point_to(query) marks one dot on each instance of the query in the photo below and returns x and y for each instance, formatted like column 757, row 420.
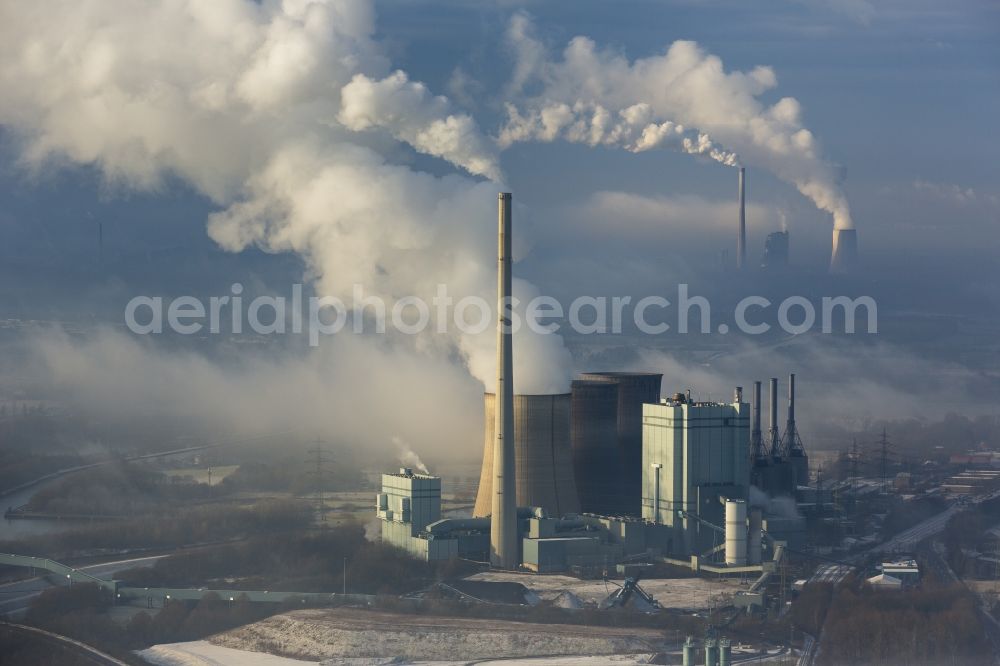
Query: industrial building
column 409, row 513
column 605, row 474
column 694, row 453
column 844, row 250
column 779, row 463
column 775, row 251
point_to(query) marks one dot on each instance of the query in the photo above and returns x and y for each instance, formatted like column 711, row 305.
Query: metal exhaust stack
column 790, row 433
column 503, row 524
column 773, row 440
column 756, row 441
column 741, row 242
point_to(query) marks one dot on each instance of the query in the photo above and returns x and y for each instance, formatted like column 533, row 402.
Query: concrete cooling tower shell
column 844, row 256
column 594, row 439
column 542, row 458
column 634, row 390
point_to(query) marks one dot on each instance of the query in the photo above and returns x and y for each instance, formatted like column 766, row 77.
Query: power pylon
column 320, row 459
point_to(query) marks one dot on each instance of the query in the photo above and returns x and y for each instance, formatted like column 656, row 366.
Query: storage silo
column 634, row 390
column 594, row 440
column 543, row 462
column 736, row 533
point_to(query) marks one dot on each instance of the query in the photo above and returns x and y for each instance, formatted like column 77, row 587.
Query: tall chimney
column 741, row 241
column 790, row 425
column 503, row 524
column 756, row 441
column 773, row 441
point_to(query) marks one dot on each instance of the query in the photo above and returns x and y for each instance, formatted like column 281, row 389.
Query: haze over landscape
column 347, row 149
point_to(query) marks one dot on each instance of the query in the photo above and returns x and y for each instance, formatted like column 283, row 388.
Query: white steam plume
column 258, row 106
column 407, row 456
column 632, row 128
column 685, row 86
column 411, row 114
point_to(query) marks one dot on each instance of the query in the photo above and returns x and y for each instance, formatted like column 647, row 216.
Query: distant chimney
column 756, row 441
column 773, row 439
column 741, row 240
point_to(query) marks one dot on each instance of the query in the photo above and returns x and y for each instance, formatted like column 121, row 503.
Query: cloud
column 266, row 109
column 651, row 217
column 411, row 114
column 683, row 86
column 353, row 391
column 632, row 129
column 956, row 195
column 841, row 382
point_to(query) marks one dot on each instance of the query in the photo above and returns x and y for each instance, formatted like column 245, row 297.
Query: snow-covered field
column 203, row 653
column 338, row 634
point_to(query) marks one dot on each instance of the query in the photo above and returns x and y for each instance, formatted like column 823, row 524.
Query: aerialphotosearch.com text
column 318, row 316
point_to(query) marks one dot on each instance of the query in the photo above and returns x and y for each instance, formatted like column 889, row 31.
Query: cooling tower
column 634, row 390
column 594, row 439
column 501, row 456
column 845, row 250
column 741, row 239
column 543, row 462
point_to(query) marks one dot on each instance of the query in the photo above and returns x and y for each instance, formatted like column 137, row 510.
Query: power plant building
column 604, row 474
column 775, row 251
column 695, row 455
column 408, row 503
column 543, row 462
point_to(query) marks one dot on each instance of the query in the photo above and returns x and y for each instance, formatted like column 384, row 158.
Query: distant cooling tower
column 634, row 390
column 594, row 438
column 845, row 250
column 543, row 464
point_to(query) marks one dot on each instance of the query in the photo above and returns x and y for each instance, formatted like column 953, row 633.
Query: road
column 808, row 655
column 907, row 540
column 17, row 596
column 82, row 650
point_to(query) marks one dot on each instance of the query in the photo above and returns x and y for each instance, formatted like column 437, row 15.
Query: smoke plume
column 591, row 91
column 407, row 457
column 411, row 114
column 268, row 109
column 632, row 128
